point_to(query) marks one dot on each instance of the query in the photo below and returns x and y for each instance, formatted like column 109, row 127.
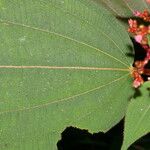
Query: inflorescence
column 141, row 35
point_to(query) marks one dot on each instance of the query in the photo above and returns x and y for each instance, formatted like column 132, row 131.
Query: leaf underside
column 124, row 8
column 62, row 63
column 137, row 122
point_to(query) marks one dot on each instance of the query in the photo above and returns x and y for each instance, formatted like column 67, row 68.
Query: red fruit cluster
column 143, row 15
column 148, row 1
column 141, row 33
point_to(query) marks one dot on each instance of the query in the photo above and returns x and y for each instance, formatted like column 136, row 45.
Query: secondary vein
column 63, row 36
column 64, row 99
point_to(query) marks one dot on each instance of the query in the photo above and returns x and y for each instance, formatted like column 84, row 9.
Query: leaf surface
column 124, row 8
column 62, row 63
column 137, row 120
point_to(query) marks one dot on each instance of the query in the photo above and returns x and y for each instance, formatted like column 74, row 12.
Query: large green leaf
column 137, row 122
column 124, row 8
column 62, row 63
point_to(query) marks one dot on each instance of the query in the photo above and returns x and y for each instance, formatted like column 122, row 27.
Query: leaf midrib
column 64, row 67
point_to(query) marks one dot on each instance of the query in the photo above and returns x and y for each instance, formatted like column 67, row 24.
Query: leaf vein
column 62, row 36
column 109, row 38
column 63, row 67
column 66, row 99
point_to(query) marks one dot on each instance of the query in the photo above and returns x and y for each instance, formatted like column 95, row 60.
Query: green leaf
column 148, row 36
column 62, row 63
column 137, row 121
column 124, row 8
